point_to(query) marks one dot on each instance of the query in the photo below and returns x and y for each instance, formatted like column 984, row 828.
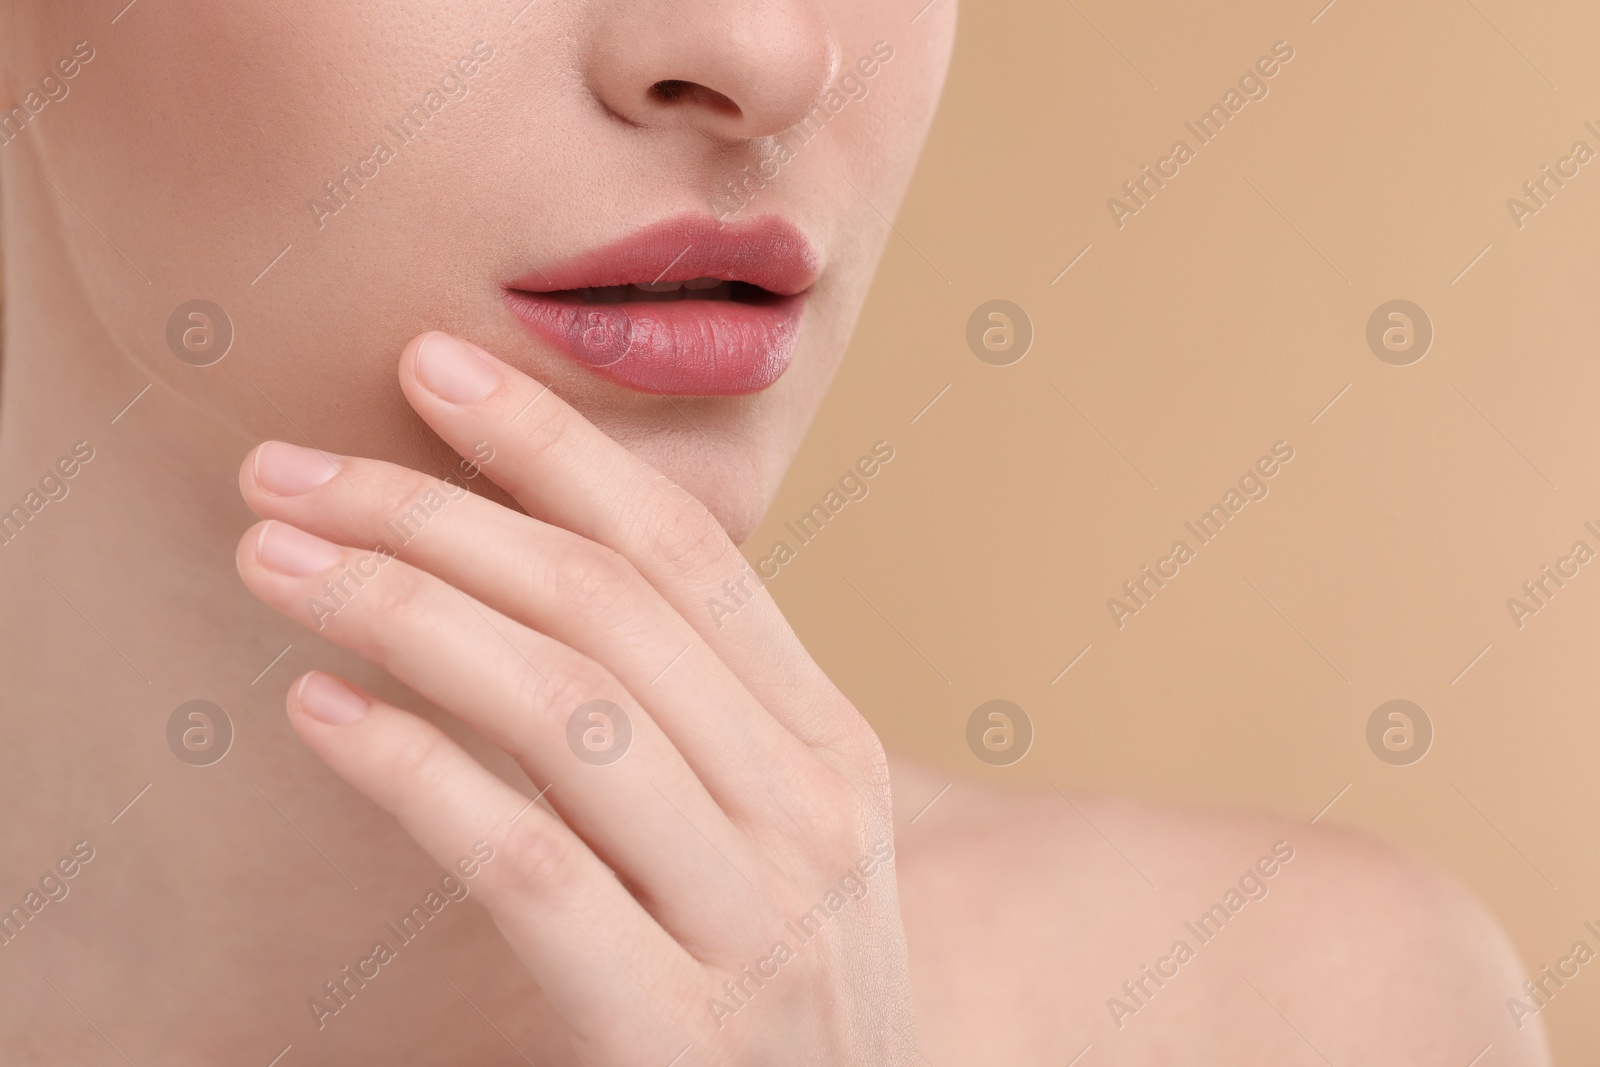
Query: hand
column 724, row 892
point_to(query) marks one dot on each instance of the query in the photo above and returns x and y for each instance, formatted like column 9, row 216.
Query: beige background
column 1225, row 316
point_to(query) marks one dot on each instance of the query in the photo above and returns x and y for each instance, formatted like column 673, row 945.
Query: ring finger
column 646, row 815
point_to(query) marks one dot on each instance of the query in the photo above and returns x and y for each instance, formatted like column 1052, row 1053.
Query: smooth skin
column 751, row 784
column 223, row 898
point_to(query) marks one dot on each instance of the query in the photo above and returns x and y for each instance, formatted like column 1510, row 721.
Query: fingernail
column 454, row 370
column 294, row 552
column 289, row 470
column 327, row 699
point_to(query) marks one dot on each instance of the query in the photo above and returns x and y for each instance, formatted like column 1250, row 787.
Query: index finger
column 560, row 468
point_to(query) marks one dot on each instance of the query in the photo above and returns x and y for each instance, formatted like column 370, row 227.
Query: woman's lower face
column 334, row 181
column 667, row 212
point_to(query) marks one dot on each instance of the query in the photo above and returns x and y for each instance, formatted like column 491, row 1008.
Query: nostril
column 676, row 91
column 669, row 90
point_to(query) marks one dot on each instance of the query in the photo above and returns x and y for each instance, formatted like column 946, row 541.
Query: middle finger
column 558, row 583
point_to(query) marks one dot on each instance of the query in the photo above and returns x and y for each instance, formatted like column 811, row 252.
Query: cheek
column 888, row 126
column 234, row 123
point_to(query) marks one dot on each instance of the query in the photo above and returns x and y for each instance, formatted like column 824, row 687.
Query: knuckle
column 374, row 602
column 398, row 595
column 420, row 760
column 562, row 687
column 867, row 756
column 592, row 579
column 547, row 434
column 540, row 860
column 683, row 534
column 407, row 504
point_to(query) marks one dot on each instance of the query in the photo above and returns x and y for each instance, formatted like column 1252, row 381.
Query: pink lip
column 689, row 347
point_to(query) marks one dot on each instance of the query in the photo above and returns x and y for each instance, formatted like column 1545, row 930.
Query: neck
column 121, row 603
column 117, row 520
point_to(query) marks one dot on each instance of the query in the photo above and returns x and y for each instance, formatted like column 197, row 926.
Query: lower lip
column 678, row 347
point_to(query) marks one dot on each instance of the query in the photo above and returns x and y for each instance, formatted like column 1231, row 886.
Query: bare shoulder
column 1041, row 922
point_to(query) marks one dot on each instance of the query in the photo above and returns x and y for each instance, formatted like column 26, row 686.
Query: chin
column 738, row 513
column 735, row 490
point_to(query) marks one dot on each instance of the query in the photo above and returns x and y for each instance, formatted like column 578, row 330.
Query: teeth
column 647, row 292
column 695, row 284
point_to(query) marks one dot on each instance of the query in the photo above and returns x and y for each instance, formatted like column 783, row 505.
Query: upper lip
column 766, row 251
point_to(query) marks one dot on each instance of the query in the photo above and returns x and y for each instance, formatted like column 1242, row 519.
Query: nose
column 732, row 69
